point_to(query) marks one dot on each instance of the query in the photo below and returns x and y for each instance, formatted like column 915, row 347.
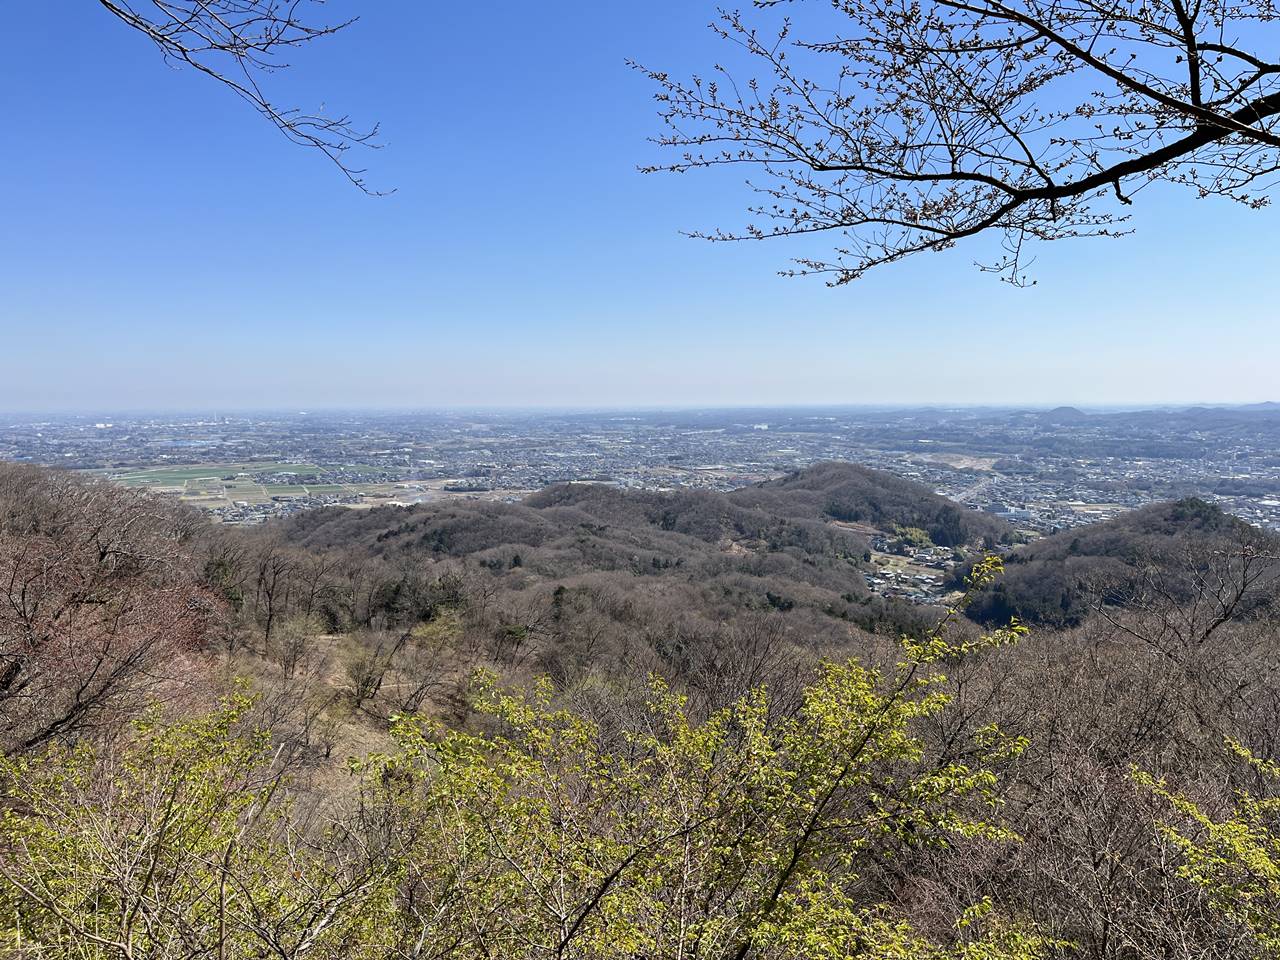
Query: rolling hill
column 660, row 557
column 856, row 494
column 1165, row 548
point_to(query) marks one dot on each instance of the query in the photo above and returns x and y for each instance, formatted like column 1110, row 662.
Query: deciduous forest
column 614, row 724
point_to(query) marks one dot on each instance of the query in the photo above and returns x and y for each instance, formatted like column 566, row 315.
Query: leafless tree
column 239, row 44
column 274, row 585
column 901, row 127
column 99, row 604
column 292, row 639
column 1180, row 603
column 368, row 664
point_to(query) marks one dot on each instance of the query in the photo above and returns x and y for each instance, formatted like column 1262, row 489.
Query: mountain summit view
column 617, row 482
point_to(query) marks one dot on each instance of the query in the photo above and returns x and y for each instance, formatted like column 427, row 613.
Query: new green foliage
column 179, row 844
column 752, row 832
column 1233, row 859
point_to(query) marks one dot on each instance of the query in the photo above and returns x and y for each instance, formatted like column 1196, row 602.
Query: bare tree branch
column 240, row 42
column 904, row 127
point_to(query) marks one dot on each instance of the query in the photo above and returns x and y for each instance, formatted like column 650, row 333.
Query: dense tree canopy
column 747, row 835
column 1165, row 550
column 556, row 759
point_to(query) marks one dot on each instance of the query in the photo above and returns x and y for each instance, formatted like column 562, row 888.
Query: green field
column 203, row 485
column 179, row 476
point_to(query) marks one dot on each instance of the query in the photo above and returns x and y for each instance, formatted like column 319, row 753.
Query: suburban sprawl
column 1042, row 470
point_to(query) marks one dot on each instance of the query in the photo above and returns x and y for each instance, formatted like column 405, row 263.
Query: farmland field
column 215, row 486
column 180, row 476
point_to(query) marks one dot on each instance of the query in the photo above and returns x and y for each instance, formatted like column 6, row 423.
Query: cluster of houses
column 246, row 514
column 907, row 583
column 904, row 585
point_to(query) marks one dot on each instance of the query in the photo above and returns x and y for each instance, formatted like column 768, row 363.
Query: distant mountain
column 1220, row 414
column 1058, row 579
column 1063, row 415
column 852, row 493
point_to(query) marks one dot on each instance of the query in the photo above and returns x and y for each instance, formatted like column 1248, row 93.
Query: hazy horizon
column 551, row 409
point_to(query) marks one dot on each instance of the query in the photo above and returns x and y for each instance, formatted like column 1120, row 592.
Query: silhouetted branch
column 910, row 127
column 237, row 43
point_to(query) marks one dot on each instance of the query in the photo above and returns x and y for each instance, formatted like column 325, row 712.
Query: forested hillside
column 607, row 724
column 848, row 492
column 1163, row 552
column 703, row 561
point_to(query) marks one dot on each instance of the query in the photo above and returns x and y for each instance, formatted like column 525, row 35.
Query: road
column 970, row 492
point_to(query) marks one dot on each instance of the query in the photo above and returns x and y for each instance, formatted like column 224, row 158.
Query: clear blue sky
column 162, row 247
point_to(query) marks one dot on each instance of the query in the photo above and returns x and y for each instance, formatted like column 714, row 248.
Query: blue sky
column 162, row 247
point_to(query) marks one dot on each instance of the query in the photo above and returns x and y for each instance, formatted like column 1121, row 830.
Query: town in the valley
column 1042, row 469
